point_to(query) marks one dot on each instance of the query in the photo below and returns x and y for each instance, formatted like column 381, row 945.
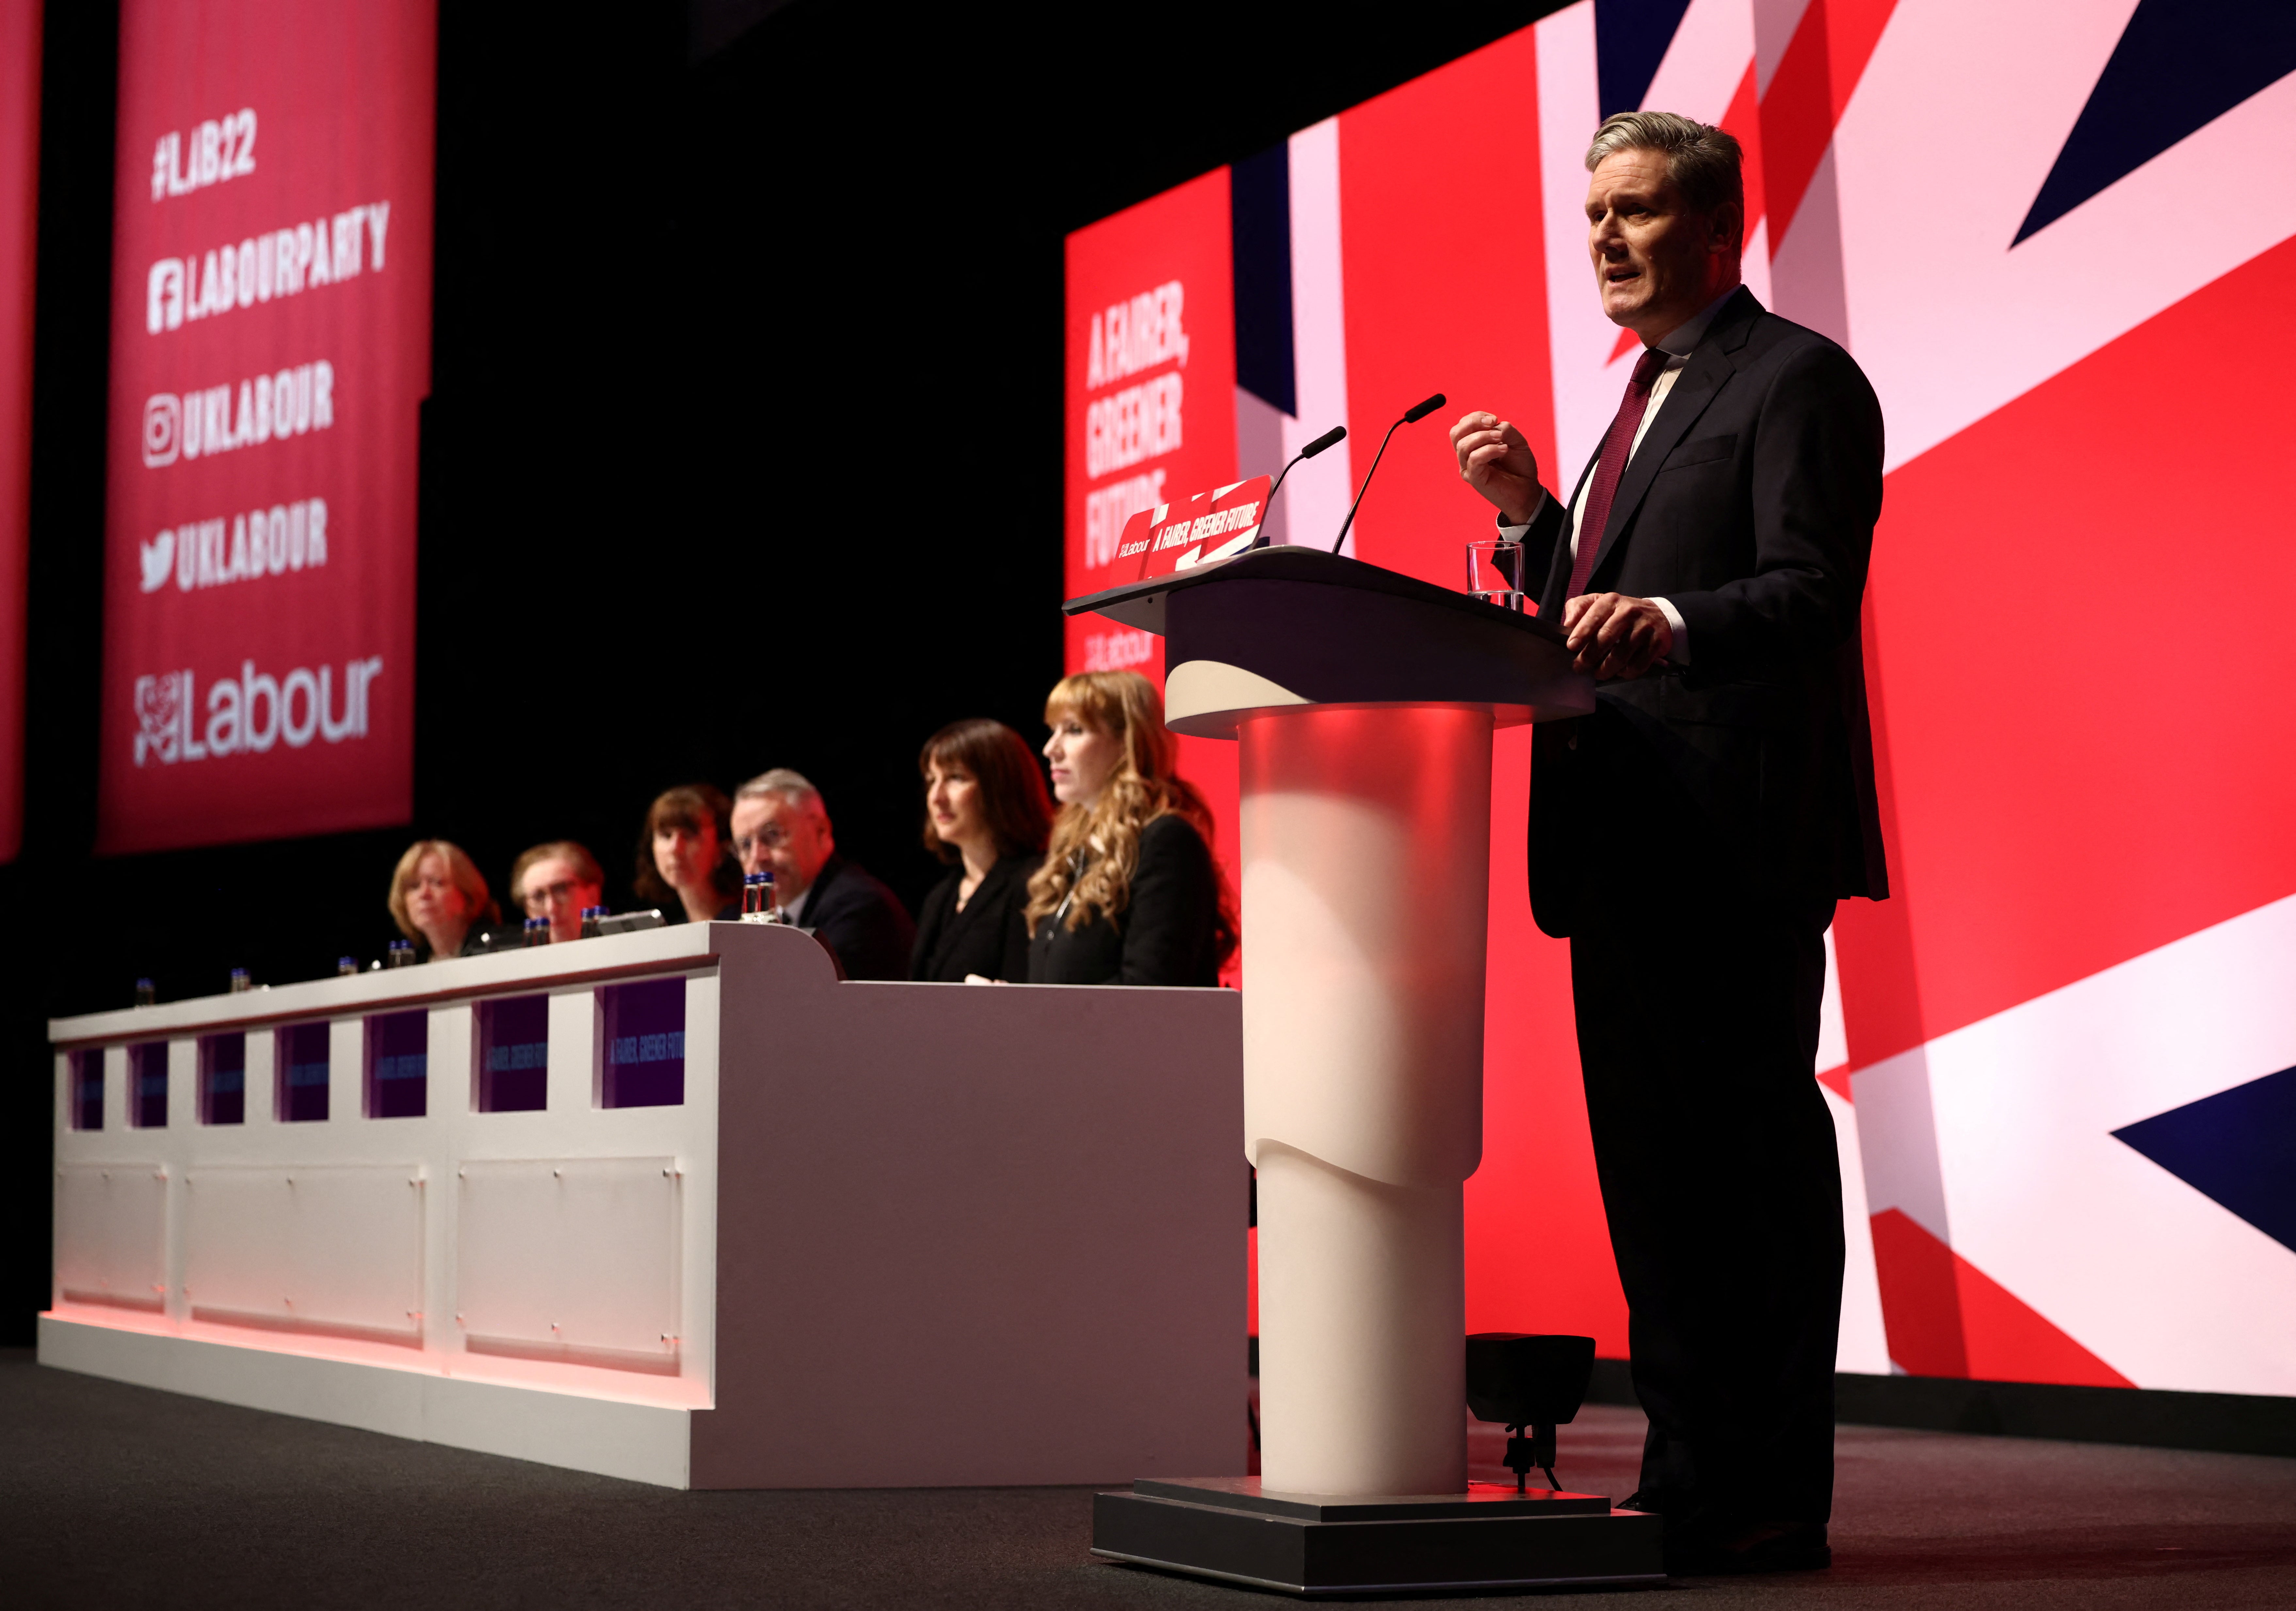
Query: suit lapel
column 1701, row 379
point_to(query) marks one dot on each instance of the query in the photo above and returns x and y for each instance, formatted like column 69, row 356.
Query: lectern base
column 1233, row 1529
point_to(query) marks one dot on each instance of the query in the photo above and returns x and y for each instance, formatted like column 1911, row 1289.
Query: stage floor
column 112, row 1495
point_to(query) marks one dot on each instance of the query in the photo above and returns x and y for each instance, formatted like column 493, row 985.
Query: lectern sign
column 270, row 347
column 1208, row 527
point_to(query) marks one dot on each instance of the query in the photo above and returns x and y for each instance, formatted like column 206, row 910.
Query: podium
column 1363, row 702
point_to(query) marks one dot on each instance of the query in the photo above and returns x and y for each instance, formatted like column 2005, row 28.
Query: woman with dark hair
column 988, row 816
column 439, row 898
column 1128, row 892
column 686, row 860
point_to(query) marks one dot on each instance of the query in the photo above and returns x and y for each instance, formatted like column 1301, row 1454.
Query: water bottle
column 402, row 953
column 145, row 996
column 537, row 931
column 347, row 967
column 590, row 916
column 240, row 983
column 769, row 901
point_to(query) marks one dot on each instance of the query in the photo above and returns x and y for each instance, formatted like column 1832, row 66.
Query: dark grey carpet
column 121, row 1496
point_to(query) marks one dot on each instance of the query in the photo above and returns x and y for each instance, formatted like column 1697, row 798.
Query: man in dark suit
column 781, row 826
column 1691, row 836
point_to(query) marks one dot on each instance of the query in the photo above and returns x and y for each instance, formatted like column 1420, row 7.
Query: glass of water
column 1494, row 573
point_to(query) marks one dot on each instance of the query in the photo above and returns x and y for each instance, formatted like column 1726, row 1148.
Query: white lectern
column 1365, row 703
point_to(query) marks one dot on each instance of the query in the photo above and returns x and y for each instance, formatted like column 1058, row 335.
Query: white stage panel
column 574, row 1253
column 325, row 1247
column 111, row 1233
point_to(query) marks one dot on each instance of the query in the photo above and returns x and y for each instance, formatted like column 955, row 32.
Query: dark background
column 743, row 450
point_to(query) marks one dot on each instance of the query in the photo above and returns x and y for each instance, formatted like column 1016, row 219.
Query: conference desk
column 678, row 1206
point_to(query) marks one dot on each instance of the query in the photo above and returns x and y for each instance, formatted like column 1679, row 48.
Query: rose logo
column 158, row 707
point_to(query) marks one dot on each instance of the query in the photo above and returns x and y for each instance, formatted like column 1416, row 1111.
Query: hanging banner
column 20, row 175
column 270, row 348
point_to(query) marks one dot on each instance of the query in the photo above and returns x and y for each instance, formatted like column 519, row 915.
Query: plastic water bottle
column 590, row 916
column 402, row 953
column 145, row 996
column 537, row 931
column 347, row 967
column 240, row 983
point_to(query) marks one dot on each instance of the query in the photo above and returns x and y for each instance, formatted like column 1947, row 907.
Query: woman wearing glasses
column 988, row 816
column 1128, row 892
column 560, row 881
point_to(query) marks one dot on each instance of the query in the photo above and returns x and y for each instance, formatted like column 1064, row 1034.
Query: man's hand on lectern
column 1614, row 635
column 1496, row 461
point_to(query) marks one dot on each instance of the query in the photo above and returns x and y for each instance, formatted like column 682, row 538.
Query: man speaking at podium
column 1691, row 836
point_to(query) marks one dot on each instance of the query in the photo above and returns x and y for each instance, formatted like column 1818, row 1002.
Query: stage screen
column 20, row 182
column 2062, row 1060
column 270, row 348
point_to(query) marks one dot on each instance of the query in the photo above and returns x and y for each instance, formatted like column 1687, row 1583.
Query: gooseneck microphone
column 1411, row 416
column 1330, row 438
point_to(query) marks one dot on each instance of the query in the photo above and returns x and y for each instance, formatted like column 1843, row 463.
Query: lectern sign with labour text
column 1208, row 527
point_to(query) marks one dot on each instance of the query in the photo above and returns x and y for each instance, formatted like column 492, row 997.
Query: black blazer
column 990, row 937
column 1749, row 507
column 860, row 920
column 1166, row 933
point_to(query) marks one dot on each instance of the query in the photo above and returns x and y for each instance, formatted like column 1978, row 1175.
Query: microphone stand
column 1411, row 415
column 1332, row 437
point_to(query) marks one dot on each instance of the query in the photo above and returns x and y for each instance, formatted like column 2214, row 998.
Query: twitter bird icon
column 158, row 559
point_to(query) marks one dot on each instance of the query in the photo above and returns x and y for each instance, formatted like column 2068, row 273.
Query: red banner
column 270, row 347
column 20, row 174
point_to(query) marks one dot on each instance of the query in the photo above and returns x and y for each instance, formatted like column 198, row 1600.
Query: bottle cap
column 143, row 984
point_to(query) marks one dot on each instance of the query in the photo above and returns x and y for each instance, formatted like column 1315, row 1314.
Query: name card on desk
column 1208, row 527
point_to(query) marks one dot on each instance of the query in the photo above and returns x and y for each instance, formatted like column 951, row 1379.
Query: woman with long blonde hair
column 1128, row 892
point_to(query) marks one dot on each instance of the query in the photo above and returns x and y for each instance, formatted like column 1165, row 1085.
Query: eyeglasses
column 771, row 837
column 561, row 891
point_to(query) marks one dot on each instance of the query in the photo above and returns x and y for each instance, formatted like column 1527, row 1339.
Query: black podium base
column 1231, row 1529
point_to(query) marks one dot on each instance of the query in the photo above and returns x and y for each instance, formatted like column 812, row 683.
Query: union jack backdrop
column 2060, row 237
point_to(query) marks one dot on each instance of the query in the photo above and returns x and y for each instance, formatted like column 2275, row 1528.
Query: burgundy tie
column 1618, row 443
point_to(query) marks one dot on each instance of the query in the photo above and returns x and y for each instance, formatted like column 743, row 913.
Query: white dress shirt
column 1679, row 344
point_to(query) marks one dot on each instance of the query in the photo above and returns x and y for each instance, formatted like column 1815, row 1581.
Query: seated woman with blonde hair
column 438, row 897
column 1128, row 892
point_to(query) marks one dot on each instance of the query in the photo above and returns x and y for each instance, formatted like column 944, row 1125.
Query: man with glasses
column 559, row 881
column 780, row 826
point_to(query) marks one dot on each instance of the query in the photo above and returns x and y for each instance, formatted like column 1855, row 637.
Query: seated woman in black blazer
column 1128, row 892
column 986, row 813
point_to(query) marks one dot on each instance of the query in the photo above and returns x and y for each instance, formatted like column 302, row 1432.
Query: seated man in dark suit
column 1692, row 835
column 780, row 826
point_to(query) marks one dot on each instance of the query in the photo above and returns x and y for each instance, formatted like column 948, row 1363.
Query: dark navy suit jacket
column 1751, row 507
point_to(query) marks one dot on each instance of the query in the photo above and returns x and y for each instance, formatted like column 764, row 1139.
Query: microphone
column 1411, row 416
column 1330, row 438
